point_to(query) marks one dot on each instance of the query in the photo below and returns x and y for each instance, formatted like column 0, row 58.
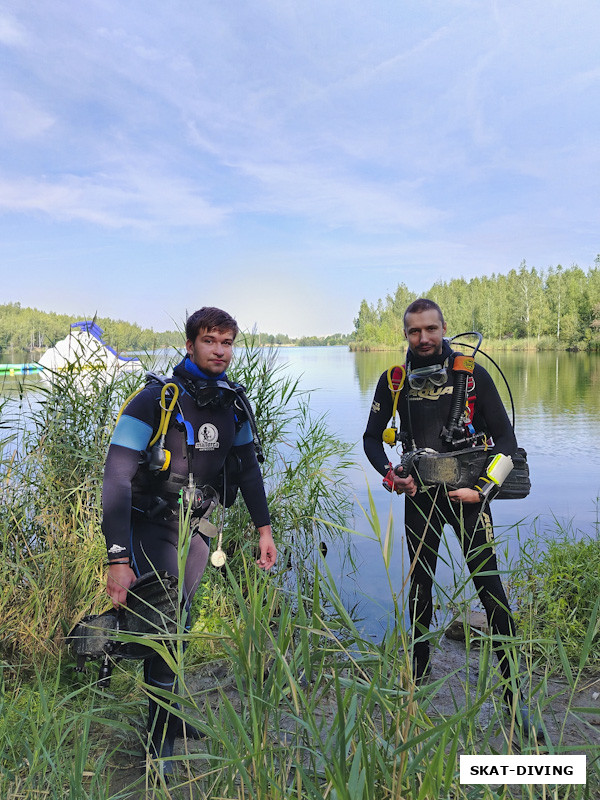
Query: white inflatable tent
column 84, row 350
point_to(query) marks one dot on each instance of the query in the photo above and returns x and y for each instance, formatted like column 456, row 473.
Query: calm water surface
column 557, row 401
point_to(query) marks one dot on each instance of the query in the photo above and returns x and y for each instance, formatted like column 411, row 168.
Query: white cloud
column 20, row 118
column 316, row 192
column 12, row 34
column 140, row 201
column 586, row 80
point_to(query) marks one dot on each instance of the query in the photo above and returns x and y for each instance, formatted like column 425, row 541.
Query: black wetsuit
column 141, row 510
column 430, row 509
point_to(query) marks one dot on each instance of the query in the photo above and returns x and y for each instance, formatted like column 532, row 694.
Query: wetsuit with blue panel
column 209, row 426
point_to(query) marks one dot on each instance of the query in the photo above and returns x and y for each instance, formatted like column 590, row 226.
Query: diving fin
column 151, row 613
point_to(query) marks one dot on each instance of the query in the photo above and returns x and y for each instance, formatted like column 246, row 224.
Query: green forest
column 527, row 308
column 305, row 341
column 30, row 329
column 558, row 308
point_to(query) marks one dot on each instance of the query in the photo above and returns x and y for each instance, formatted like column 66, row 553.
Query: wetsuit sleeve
column 252, row 486
column 379, row 416
column 131, row 436
column 490, row 414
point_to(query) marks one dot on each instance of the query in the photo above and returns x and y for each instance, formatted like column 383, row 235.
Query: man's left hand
column 464, row 496
column 268, row 551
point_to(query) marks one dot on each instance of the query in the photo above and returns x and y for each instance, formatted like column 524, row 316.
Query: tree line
column 282, row 339
column 31, row 330
column 527, row 307
column 554, row 308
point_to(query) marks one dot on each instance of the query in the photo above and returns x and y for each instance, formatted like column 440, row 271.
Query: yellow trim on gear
column 127, row 401
column 395, row 392
column 165, row 411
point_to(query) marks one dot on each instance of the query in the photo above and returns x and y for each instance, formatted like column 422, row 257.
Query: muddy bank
column 569, row 728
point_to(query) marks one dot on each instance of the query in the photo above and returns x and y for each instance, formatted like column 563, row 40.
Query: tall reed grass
column 50, row 487
column 558, row 586
column 309, row 705
column 310, row 708
column 51, row 479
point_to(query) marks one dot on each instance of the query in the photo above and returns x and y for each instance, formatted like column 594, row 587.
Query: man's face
column 425, row 332
column 211, row 351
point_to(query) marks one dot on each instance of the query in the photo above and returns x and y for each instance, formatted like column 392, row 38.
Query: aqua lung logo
column 430, row 392
column 208, row 437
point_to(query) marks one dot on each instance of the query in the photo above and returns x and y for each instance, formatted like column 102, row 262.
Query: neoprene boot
column 161, row 730
column 526, row 718
column 162, row 725
column 421, row 662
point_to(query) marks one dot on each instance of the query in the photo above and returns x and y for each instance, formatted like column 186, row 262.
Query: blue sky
column 285, row 159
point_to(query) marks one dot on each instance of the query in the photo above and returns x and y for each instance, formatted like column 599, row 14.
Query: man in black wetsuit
column 425, row 403
column 141, row 506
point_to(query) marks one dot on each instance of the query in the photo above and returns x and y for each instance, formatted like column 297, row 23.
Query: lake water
column 557, row 401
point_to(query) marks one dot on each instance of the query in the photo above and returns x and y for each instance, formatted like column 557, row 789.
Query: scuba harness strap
column 168, row 486
column 396, row 376
column 468, row 463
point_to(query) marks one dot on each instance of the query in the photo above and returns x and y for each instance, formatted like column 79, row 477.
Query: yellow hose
column 165, row 411
column 395, row 392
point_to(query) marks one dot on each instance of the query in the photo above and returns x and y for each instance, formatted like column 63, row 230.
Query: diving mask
column 217, row 394
column 435, row 374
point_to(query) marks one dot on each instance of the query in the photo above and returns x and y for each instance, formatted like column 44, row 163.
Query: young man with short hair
column 144, row 486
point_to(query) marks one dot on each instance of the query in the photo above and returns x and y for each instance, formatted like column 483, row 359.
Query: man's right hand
column 120, row 577
column 395, row 483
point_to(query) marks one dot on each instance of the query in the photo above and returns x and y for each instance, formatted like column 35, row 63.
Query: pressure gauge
column 218, row 558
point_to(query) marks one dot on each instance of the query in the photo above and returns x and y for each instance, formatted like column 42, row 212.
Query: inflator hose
column 459, row 394
column 462, row 367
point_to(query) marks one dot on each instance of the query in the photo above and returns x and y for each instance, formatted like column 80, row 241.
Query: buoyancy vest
column 156, row 486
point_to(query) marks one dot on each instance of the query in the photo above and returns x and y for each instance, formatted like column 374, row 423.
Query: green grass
column 311, row 708
column 558, row 587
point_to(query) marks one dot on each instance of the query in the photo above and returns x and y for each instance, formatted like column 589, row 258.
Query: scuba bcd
column 467, row 462
column 167, row 486
column 158, row 491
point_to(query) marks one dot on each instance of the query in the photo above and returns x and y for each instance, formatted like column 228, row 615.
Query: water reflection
column 557, row 403
column 557, row 422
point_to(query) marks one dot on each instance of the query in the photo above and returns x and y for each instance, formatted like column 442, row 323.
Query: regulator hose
column 459, row 395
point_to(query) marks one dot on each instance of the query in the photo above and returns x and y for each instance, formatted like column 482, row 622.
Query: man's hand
column 464, row 496
column 405, row 485
column 120, row 578
column 395, row 483
column 268, row 551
